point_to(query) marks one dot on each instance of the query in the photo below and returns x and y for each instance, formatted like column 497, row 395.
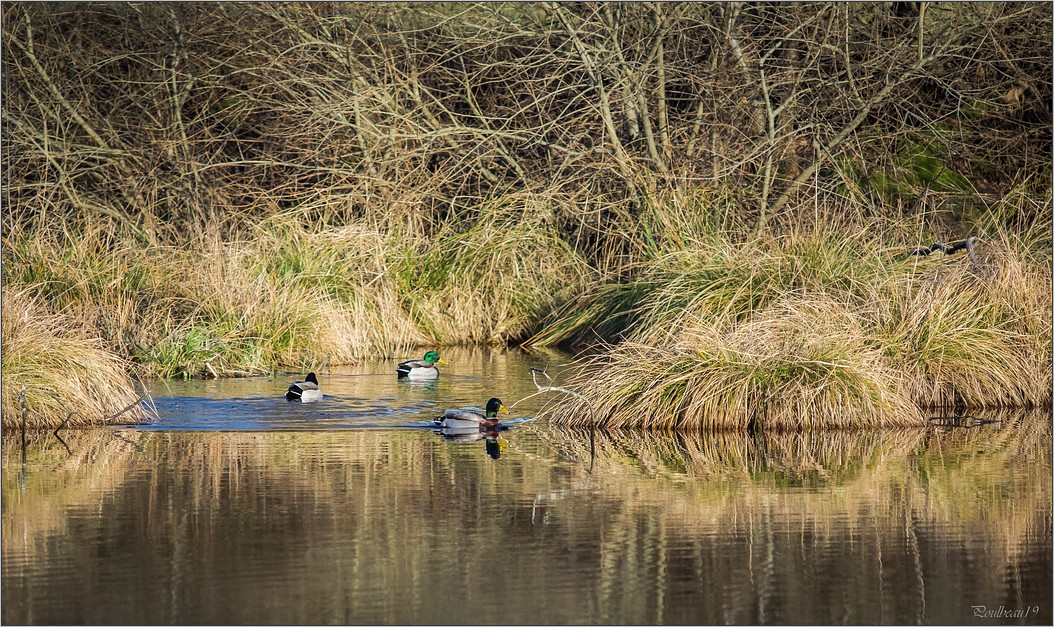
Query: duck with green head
column 466, row 419
column 421, row 369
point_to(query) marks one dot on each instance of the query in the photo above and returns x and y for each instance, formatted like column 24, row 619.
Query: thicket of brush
column 217, row 189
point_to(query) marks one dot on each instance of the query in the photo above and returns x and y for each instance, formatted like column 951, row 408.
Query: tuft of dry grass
column 66, row 373
column 490, row 283
column 967, row 335
column 802, row 365
column 717, row 276
column 813, row 337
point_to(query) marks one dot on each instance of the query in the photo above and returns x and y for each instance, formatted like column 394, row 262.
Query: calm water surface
column 239, row 507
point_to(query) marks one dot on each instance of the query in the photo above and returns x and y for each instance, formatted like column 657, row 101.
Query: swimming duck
column 465, row 419
column 420, row 368
column 306, row 390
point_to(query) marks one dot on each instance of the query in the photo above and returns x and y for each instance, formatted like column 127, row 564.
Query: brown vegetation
column 57, row 374
column 221, row 188
column 408, row 115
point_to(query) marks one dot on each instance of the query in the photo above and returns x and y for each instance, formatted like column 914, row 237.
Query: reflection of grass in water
column 995, row 474
column 993, row 483
column 950, row 468
column 60, row 479
column 888, row 490
column 781, row 459
column 390, row 498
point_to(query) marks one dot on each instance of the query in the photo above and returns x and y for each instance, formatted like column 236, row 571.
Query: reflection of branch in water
column 961, row 422
column 25, row 417
column 69, row 451
column 137, row 446
column 592, row 415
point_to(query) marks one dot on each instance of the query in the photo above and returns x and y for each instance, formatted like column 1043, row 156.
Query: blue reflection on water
column 350, row 401
column 191, row 413
column 270, row 413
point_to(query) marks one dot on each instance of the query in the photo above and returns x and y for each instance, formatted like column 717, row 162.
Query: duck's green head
column 433, row 357
column 494, row 406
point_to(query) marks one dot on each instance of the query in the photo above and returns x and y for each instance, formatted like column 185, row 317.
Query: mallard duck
column 465, row 419
column 306, row 390
column 420, row 368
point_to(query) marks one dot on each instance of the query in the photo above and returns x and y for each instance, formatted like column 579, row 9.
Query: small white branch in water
column 551, row 388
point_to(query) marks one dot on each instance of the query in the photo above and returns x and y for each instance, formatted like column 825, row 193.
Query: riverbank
column 816, row 328
column 700, row 191
column 812, row 331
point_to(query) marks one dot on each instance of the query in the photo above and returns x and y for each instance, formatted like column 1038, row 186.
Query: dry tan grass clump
column 65, row 372
column 884, row 342
column 970, row 335
column 804, row 364
column 286, row 297
column 490, row 283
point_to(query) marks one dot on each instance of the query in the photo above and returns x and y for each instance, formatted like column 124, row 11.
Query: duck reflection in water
column 495, row 445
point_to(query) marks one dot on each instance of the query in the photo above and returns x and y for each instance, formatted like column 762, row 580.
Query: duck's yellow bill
column 501, row 408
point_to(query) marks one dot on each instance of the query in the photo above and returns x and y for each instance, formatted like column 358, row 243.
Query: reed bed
column 811, row 330
column 718, row 276
column 69, row 376
column 285, row 295
column 740, row 382
column 807, row 340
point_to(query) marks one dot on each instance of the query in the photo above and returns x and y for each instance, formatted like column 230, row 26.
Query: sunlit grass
column 66, row 373
column 283, row 295
column 811, row 332
column 971, row 336
column 490, row 283
column 717, row 278
column 797, row 367
column 704, row 329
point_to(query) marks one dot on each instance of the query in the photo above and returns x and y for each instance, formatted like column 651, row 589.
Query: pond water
column 239, row 507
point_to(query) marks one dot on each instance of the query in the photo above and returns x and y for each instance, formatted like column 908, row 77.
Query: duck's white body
column 461, row 419
column 418, row 370
column 309, row 394
column 304, row 391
